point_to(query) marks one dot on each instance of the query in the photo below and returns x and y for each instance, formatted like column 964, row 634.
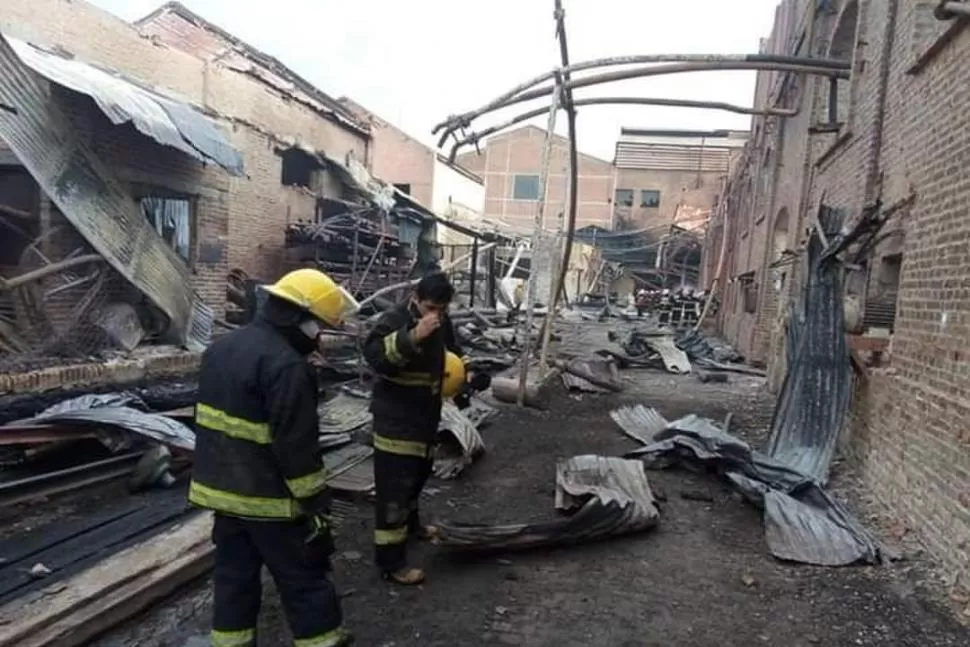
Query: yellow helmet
column 316, row 293
column 454, row 377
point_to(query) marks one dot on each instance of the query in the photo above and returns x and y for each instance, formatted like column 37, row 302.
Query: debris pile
column 803, row 523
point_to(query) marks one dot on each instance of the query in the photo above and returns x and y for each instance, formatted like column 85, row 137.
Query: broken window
column 649, row 198
column 172, row 218
column 880, row 305
column 299, row 168
column 525, row 187
column 623, row 198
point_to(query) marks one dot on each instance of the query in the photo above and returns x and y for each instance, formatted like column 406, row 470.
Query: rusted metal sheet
column 94, row 200
column 167, row 122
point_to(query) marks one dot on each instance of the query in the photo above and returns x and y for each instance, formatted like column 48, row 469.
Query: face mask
column 310, row 328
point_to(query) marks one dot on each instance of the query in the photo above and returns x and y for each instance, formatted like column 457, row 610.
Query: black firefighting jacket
column 257, row 429
column 406, row 401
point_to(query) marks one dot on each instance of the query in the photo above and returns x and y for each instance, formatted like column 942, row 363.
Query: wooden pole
column 536, row 237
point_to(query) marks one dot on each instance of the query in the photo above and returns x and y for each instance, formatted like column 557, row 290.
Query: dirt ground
column 704, row 577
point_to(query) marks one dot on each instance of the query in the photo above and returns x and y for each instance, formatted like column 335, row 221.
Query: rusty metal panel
column 93, row 199
column 167, row 122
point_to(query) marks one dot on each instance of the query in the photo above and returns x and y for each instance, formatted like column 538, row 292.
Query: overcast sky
column 415, row 62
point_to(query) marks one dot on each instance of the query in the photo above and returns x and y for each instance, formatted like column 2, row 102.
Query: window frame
column 616, row 197
column 643, row 193
column 142, row 192
column 515, row 186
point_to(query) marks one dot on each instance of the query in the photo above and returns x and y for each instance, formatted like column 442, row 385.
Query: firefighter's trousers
column 401, row 468
column 309, row 598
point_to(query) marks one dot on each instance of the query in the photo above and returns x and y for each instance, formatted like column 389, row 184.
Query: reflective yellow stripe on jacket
column 219, row 420
column 391, row 352
column 401, row 447
column 307, row 486
column 240, row 638
column 241, row 505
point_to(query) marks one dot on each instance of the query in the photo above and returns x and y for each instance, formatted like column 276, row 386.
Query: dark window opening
column 623, row 198
column 649, row 198
column 18, row 222
column 403, row 188
column 299, row 168
column 842, row 48
column 883, row 293
column 525, row 187
column 173, row 219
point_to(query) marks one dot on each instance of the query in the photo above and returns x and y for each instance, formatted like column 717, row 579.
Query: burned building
column 884, row 148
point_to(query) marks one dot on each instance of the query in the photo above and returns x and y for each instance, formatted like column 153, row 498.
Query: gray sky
column 415, row 62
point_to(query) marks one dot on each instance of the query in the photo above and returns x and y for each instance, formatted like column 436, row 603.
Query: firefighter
column 258, row 465
column 408, row 349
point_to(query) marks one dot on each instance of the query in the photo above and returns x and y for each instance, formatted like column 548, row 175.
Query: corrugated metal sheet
column 817, row 392
column 167, row 122
column 94, row 200
column 610, row 497
column 639, row 156
column 459, row 442
column 639, row 422
column 802, row 522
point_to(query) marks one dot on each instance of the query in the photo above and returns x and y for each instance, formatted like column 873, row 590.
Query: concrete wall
column 259, row 114
column 458, row 196
column 519, row 152
column 685, row 195
column 901, row 137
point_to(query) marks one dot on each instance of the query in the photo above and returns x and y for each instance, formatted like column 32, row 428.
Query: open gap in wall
column 299, row 168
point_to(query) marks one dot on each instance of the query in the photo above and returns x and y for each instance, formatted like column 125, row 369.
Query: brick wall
column 520, row 153
column 908, row 147
column 396, row 157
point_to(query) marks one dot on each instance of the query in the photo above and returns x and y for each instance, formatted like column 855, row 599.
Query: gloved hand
column 319, row 544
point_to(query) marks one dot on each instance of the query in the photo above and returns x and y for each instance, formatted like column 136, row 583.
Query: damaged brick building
column 892, row 137
column 275, row 119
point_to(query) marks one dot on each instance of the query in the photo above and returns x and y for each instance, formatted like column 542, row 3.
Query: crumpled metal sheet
column 674, row 359
column 639, row 422
column 699, row 345
column 350, row 468
column 94, row 200
column 607, row 496
column 817, row 392
column 344, row 413
column 459, row 442
column 167, row 122
column 117, row 411
column 803, row 523
column 575, row 383
column 601, row 373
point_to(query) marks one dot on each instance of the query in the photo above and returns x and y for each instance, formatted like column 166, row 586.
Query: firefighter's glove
column 319, row 544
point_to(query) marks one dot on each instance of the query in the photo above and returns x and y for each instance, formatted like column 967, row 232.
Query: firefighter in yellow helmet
column 416, row 356
column 258, row 465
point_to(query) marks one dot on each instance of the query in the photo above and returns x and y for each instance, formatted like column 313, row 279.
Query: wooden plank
column 125, row 602
column 110, row 591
